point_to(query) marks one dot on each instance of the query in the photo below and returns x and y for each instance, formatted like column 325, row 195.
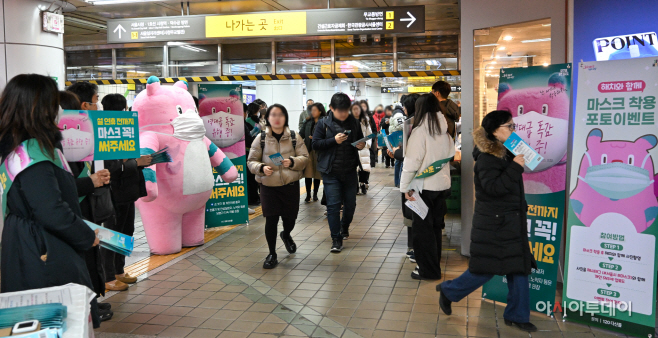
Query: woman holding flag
column 426, row 179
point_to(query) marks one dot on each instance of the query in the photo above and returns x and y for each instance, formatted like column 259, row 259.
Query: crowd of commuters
column 46, row 242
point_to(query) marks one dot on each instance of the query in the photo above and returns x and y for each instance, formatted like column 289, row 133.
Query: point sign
column 119, row 29
column 411, row 19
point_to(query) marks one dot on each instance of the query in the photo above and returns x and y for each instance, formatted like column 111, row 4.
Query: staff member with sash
column 44, row 237
column 426, row 176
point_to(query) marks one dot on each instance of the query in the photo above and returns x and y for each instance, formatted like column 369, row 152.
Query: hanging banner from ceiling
column 342, row 21
column 610, row 264
column 538, row 98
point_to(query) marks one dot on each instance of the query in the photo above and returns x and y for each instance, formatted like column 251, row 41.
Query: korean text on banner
column 610, row 263
column 220, row 108
column 99, row 135
column 538, row 98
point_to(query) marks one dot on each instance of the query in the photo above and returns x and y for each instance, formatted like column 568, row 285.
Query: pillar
column 24, row 46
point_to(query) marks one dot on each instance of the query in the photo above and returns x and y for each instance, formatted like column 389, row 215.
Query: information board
column 383, row 20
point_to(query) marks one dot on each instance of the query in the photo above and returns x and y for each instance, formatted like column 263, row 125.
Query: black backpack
column 292, row 135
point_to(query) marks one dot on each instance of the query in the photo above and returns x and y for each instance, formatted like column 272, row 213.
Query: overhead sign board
column 393, row 90
column 348, row 21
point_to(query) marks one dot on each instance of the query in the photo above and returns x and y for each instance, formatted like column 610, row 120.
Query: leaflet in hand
column 395, row 138
column 518, row 146
column 112, row 240
column 277, row 159
column 386, row 141
column 418, row 206
column 363, row 140
column 255, row 131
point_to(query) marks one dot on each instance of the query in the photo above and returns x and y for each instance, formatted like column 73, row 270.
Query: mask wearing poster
column 220, row 108
column 99, row 135
column 610, row 264
column 538, row 98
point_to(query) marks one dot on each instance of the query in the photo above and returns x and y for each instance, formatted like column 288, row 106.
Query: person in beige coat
column 278, row 157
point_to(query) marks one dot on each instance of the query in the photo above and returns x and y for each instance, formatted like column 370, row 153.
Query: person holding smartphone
column 499, row 238
column 337, row 161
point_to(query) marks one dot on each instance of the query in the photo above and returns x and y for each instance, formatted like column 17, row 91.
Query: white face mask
column 99, row 105
column 222, row 128
column 59, row 114
column 617, row 180
column 77, row 144
column 188, row 126
column 548, row 136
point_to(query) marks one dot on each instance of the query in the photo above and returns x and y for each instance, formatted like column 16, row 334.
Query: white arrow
column 120, row 28
column 411, row 19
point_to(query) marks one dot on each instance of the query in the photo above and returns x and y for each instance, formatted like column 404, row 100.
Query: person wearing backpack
column 278, row 158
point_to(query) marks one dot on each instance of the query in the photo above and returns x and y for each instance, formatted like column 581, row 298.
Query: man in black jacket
column 337, row 161
column 450, row 110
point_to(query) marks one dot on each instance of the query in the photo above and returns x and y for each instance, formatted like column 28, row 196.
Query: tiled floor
column 221, row 290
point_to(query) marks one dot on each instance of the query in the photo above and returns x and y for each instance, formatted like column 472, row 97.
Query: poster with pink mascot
column 173, row 212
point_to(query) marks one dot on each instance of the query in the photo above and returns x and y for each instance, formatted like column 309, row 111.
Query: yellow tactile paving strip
column 152, row 262
column 155, row 261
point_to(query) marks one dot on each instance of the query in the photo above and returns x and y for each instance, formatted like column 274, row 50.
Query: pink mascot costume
column 616, row 177
column 173, row 212
column 542, row 118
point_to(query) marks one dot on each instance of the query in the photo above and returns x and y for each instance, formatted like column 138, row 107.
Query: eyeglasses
column 511, row 126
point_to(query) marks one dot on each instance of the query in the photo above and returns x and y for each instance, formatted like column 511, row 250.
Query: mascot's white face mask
column 188, row 126
column 222, row 129
column 79, row 144
column 554, row 141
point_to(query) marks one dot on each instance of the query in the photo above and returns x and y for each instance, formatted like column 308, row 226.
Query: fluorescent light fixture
column 74, row 20
column 508, row 38
column 487, row 45
column 502, row 48
column 497, row 56
column 114, row 2
column 306, row 60
column 493, row 62
column 192, row 48
column 545, row 64
column 536, row 40
column 73, row 67
column 546, row 25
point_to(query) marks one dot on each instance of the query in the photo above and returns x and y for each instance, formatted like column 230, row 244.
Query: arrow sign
column 119, row 28
column 411, row 19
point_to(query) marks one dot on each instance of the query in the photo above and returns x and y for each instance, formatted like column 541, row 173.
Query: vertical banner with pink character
column 220, row 108
column 610, row 265
column 538, row 98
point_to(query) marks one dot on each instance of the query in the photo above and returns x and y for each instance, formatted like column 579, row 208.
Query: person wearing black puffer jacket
column 499, row 238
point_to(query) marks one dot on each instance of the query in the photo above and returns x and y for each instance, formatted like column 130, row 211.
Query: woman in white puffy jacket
column 364, row 154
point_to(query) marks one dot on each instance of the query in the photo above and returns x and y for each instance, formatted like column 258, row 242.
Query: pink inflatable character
column 17, row 161
column 78, row 137
column 223, row 120
column 173, row 212
column 542, row 118
column 617, row 177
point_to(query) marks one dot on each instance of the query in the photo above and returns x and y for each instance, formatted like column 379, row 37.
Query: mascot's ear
column 181, row 84
column 201, row 98
column 595, row 137
column 558, row 81
column 152, row 85
column 503, row 89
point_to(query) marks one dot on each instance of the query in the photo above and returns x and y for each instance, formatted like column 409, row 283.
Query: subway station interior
column 524, row 60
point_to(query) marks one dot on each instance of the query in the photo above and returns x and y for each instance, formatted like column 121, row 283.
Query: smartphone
column 347, row 132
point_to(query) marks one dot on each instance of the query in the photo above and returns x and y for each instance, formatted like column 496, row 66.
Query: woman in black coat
column 499, row 238
column 44, row 236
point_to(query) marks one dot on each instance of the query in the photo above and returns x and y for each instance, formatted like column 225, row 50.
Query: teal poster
column 99, row 135
column 220, row 108
column 610, row 262
column 538, row 98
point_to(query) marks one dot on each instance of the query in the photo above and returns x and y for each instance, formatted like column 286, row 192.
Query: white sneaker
column 251, row 211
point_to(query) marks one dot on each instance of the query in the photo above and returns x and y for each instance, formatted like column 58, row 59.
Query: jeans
column 340, row 190
column 518, row 298
column 398, row 173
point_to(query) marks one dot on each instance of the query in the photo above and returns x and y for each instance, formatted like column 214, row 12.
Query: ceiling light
column 545, row 64
column 72, row 19
column 493, row 62
column 536, row 40
column 546, row 25
column 487, row 45
column 508, row 38
column 501, row 48
column 497, row 56
column 194, row 49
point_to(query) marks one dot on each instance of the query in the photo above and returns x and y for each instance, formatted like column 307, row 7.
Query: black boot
column 315, row 196
column 527, row 327
column 308, row 198
column 444, row 302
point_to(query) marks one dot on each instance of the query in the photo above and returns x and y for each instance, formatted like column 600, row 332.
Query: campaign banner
column 220, row 108
column 538, row 98
column 94, row 135
column 610, row 264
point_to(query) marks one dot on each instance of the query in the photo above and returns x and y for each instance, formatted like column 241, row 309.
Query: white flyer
column 418, row 206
